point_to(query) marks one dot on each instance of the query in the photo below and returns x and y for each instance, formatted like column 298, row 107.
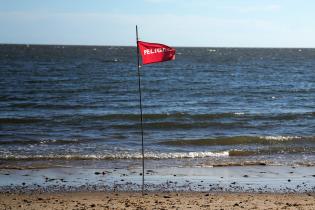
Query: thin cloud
column 256, row 8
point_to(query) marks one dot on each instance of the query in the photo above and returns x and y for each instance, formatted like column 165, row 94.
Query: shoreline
column 234, row 179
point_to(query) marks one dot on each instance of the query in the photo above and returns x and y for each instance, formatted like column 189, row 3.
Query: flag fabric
column 154, row 52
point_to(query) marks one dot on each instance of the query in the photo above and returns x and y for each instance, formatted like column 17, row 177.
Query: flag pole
column 140, row 106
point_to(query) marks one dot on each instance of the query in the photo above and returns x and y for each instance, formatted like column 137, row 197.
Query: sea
column 79, row 105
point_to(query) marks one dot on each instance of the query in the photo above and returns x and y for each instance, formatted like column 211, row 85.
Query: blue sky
column 217, row 23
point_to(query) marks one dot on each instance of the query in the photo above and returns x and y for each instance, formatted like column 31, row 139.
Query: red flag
column 154, row 52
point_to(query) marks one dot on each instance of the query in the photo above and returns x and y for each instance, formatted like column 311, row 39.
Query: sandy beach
column 127, row 200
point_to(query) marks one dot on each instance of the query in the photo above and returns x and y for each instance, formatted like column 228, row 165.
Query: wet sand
column 157, row 200
column 244, row 187
column 259, row 179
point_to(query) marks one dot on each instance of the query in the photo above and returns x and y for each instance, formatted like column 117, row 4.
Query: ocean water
column 211, row 106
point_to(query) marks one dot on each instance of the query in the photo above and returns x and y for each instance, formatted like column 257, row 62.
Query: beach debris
column 49, row 179
column 98, row 173
column 26, row 201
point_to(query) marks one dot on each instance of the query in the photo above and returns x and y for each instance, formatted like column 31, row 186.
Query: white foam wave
column 186, row 155
column 239, row 113
column 121, row 155
column 280, row 138
column 156, row 155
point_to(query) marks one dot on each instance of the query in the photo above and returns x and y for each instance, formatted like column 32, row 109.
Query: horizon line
column 114, row 45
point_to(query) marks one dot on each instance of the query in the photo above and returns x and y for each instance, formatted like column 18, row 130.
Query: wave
column 273, row 151
column 187, row 116
column 160, row 116
column 110, row 117
column 181, row 125
column 148, row 155
column 281, row 116
column 218, row 155
column 219, row 141
column 20, row 120
column 45, row 141
column 51, row 106
column 182, row 120
column 135, row 117
column 237, row 140
column 159, row 120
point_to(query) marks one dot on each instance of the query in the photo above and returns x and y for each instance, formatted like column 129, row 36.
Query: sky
column 199, row 23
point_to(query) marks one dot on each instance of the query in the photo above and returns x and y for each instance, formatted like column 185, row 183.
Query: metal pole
column 141, row 116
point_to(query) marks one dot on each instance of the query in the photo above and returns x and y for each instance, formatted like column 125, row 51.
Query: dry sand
column 183, row 200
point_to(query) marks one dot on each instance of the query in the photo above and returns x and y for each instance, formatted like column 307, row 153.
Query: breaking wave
column 166, row 155
column 148, row 155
